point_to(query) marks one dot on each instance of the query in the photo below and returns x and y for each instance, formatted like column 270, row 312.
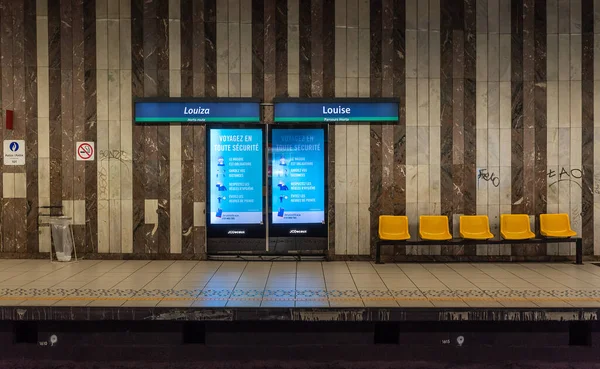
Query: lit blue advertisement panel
column 298, row 176
column 336, row 112
column 181, row 111
column 236, row 176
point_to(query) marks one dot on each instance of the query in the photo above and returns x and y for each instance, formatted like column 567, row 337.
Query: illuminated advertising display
column 298, row 176
column 236, row 176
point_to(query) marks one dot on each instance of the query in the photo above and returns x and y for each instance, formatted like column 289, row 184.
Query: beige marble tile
column 434, row 14
column 175, row 225
column 422, row 102
column 422, row 53
column 411, row 103
column 340, row 228
column 352, row 87
column 434, row 188
column 340, row 51
column 364, row 229
column 364, row 13
column 552, row 16
column 504, row 10
column 103, row 226
column 340, row 87
column 352, row 189
column 42, row 40
column 564, row 49
column 493, row 105
column 8, row 185
column 411, row 14
column 293, row 49
column 115, row 225
column 505, row 105
column 246, row 85
column 234, row 48
column 364, row 87
column 151, row 211
column 482, row 56
column 552, row 104
column 505, row 57
column 352, row 230
column 340, row 184
column 364, row 184
column 564, row 108
column 101, row 41
column 552, row 57
column 126, row 226
column 493, row 60
column 493, row 16
column 575, row 104
column 340, row 13
column 352, row 51
column 352, row 142
column 113, row 43
column 422, row 145
column 352, row 13
column 411, row 54
column 575, row 14
column 575, row 60
column 20, row 186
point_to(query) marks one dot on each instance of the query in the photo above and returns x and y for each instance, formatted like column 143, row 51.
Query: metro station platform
column 286, row 284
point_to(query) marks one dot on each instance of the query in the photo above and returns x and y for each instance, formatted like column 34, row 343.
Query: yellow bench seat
column 393, row 227
column 475, row 227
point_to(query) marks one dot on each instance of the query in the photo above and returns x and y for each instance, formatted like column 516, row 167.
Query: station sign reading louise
column 175, row 110
column 336, row 110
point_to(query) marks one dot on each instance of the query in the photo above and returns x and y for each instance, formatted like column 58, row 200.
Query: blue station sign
column 336, row 110
column 176, row 110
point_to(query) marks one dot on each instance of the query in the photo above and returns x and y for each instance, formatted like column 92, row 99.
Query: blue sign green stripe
column 180, row 119
column 333, row 119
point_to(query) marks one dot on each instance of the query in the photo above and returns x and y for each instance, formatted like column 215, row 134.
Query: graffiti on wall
column 485, row 175
column 564, row 175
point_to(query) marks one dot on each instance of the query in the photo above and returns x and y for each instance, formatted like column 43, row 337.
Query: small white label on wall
column 14, row 152
column 85, row 151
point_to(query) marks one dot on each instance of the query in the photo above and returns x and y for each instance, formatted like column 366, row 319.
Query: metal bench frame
column 457, row 242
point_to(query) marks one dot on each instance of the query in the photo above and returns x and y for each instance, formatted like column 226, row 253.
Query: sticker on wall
column 85, row 151
column 14, row 152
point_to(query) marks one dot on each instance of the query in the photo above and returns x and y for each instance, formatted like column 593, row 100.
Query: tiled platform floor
column 302, row 284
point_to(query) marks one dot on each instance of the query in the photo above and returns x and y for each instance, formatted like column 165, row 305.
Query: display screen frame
column 311, row 230
column 235, row 230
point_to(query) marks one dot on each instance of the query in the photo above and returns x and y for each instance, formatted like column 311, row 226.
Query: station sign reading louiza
column 196, row 111
column 336, row 111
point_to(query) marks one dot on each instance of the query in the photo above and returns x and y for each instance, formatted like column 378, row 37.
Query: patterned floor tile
column 368, row 293
column 343, row 293
column 311, row 293
column 279, row 293
column 518, row 294
column 221, row 293
column 408, row 294
column 251, row 293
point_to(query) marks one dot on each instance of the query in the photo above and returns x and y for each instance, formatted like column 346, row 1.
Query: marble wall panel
column 486, row 88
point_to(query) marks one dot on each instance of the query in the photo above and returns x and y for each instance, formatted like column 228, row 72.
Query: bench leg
column 579, row 251
column 378, row 253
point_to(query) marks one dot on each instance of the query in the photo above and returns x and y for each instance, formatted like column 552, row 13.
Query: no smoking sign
column 85, row 151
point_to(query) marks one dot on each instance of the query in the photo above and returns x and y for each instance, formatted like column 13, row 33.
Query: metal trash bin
column 62, row 238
